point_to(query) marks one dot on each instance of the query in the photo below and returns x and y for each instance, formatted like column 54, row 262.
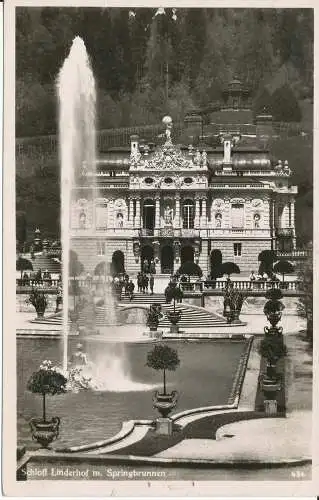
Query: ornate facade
column 176, row 203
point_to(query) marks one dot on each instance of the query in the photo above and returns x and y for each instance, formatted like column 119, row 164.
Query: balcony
column 145, row 232
column 285, row 232
column 238, row 232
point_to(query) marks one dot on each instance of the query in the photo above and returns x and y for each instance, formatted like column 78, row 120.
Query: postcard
column 158, row 208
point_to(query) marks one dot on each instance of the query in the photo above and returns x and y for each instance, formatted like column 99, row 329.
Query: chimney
column 264, row 128
column 134, row 144
column 227, row 162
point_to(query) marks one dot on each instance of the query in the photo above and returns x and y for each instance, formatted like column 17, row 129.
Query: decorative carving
column 218, row 203
column 256, row 203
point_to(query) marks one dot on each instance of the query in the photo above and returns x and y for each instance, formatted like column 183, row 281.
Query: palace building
column 176, row 202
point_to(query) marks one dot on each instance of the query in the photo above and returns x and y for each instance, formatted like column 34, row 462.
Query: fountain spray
column 77, row 147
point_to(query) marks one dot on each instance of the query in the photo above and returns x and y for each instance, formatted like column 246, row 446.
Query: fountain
column 77, row 95
column 77, row 138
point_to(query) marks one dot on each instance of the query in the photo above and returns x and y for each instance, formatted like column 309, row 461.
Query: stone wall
column 248, row 260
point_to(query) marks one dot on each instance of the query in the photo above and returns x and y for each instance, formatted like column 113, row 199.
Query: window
column 237, row 249
column 188, row 214
column 237, row 215
column 100, row 247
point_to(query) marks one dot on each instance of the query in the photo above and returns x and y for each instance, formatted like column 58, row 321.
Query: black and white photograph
column 161, row 321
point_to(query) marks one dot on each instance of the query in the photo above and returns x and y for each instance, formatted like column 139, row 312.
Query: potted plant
column 39, row 301
column 163, row 357
column 46, row 380
column 273, row 309
column 173, row 292
column 236, row 303
column 272, row 348
column 154, row 316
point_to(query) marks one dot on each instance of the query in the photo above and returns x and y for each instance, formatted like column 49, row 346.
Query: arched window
column 149, row 214
column 188, row 214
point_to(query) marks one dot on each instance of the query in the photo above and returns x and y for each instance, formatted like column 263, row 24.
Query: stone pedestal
column 164, row 426
column 270, row 406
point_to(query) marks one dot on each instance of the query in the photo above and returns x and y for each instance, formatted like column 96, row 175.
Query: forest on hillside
column 148, row 62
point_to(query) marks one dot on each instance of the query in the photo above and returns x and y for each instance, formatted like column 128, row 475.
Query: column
column 138, row 213
column 157, row 212
column 292, row 216
column 204, row 212
column 196, row 221
column 178, row 210
column 131, row 218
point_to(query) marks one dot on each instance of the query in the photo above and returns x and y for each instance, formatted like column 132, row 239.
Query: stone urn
column 165, row 403
column 174, row 317
column 45, row 432
column 270, row 386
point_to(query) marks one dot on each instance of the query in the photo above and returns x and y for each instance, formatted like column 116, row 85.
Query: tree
column 163, row 357
column 190, row 268
column 173, row 292
column 266, row 259
column 23, row 265
column 284, row 105
column 47, row 380
column 284, row 267
column 229, row 268
column 305, row 301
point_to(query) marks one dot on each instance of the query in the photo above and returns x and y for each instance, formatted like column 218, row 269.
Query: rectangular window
column 237, row 249
column 237, row 215
column 100, row 247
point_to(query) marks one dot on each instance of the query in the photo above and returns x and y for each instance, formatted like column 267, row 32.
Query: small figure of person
column 145, row 266
column 152, row 283
column 152, row 268
column 145, row 283
column 139, row 281
column 131, row 287
column 25, row 279
column 59, row 299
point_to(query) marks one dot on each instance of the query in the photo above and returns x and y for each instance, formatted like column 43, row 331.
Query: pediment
column 169, row 157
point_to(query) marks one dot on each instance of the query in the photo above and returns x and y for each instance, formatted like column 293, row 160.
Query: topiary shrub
column 163, row 357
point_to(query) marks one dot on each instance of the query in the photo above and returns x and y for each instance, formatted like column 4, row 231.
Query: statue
column 168, row 215
column 197, row 157
column 204, row 158
column 218, row 220
column 256, row 221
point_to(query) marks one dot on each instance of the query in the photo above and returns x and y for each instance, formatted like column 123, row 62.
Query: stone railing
column 262, row 285
column 293, row 254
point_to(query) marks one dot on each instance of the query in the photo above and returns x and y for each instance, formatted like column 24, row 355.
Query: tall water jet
column 77, row 147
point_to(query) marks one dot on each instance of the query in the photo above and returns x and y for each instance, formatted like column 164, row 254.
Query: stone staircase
column 192, row 316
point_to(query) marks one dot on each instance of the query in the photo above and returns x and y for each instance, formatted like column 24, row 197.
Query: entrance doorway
column 216, row 259
column 118, row 262
column 187, row 254
column 149, row 215
column 147, row 253
column 167, row 260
